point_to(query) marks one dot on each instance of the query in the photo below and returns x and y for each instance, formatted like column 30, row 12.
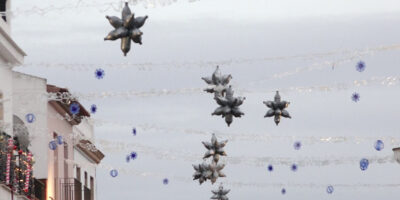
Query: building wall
column 28, row 98
column 5, row 194
column 6, row 91
column 85, row 130
column 85, row 165
column 56, row 162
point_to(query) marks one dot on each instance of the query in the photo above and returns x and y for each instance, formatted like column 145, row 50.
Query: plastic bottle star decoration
column 229, row 106
column 216, row 171
column 202, row 173
column 277, row 108
column 215, row 148
column 217, row 83
column 126, row 28
column 208, row 171
column 220, row 194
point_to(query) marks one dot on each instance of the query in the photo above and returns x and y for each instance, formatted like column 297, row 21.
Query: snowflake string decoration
column 93, row 109
column 360, row 66
column 114, row 173
column 270, row 168
column 134, row 131
column 355, row 97
column 329, row 189
column 294, row 167
column 165, row 181
column 53, row 145
column 74, row 108
column 59, row 140
column 133, row 155
column 283, row 191
column 30, row 118
column 297, row 145
column 99, row 73
column 379, row 145
column 364, row 164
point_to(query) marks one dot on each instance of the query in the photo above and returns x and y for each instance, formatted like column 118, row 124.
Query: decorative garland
column 8, row 164
column 350, row 56
column 173, row 154
column 387, row 81
column 102, row 7
column 28, row 172
column 135, row 172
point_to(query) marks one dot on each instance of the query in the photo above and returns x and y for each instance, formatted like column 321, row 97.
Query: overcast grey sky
column 209, row 30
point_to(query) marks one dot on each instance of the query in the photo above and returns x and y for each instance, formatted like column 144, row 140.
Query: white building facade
column 69, row 171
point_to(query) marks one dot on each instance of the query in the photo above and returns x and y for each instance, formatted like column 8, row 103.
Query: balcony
column 17, row 169
column 71, row 189
column 40, row 189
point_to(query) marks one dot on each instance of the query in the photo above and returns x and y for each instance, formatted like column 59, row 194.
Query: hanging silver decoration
column 126, row 29
column 216, row 171
column 217, row 83
column 220, row 194
column 229, row 106
column 277, row 108
column 215, row 148
column 202, row 173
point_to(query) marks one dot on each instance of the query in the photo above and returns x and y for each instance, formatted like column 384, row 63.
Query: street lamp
column 397, row 154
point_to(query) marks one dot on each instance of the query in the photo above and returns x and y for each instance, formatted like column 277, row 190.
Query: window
column 91, row 188
column 55, row 158
column 78, row 173
column 3, row 6
column 65, row 160
column 86, row 179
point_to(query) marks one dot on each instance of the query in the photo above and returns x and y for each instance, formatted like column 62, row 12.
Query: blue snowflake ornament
column 294, row 167
column 59, row 140
column 360, row 66
column 379, row 145
column 297, row 145
column 329, row 189
column 133, row 155
column 355, row 97
column 53, row 145
column 93, row 109
column 30, row 118
column 74, row 108
column 270, row 168
column 134, row 131
column 114, row 173
column 99, row 73
column 165, row 181
column 283, row 191
column 364, row 164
